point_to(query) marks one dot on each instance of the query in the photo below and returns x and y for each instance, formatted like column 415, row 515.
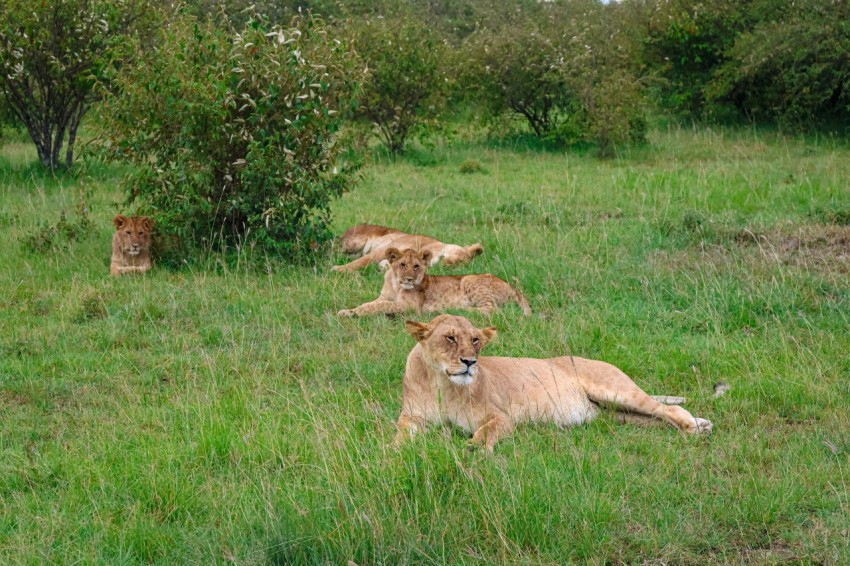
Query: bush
column 515, row 70
column 568, row 72
column 686, row 44
column 233, row 134
column 407, row 88
column 794, row 72
column 59, row 235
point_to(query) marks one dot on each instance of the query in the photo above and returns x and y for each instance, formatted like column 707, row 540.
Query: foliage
column 568, row 72
column 239, row 12
column 516, row 70
column 686, row 43
column 604, row 75
column 407, row 89
column 55, row 236
column 792, row 69
column 51, row 55
column 233, row 133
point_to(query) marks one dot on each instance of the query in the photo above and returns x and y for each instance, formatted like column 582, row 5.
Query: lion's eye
column 129, row 232
column 403, row 264
column 416, row 266
column 451, row 339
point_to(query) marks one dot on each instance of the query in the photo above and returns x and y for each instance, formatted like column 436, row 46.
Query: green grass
column 201, row 416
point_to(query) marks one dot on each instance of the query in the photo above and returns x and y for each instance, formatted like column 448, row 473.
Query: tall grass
column 226, row 414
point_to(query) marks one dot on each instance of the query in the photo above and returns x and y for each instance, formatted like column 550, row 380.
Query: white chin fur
column 462, row 379
column 133, row 252
column 408, row 286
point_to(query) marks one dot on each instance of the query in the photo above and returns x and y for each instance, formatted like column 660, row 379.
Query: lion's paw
column 699, row 426
column 345, row 312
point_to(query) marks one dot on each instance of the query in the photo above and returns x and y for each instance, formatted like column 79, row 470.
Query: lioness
column 408, row 287
column 131, row 245
column 446, row 381
column 374, row 241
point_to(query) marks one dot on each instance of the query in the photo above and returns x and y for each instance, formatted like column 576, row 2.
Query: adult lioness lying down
column 446, row 382
column 374, row 241
column 407, row 286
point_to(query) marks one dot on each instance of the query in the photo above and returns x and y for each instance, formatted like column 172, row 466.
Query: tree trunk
column 72, row 134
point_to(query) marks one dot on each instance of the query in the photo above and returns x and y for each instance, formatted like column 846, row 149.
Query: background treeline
column 244, row 119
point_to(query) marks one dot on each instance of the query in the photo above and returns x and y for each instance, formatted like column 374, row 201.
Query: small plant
column 59, row 235
column 470, row 166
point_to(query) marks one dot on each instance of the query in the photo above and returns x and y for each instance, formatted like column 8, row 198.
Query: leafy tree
column 51, row 54
column 792, row 67
column 567, row 71
column 406, row 91
column 686, row 43
column 608, row 81
column 233, row 133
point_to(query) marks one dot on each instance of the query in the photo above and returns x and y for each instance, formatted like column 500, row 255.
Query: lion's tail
column 520, row 298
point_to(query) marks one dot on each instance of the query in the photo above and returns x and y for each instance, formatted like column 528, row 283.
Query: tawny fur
column 407, row 286
column 446, row 382
column 373, row 242
column 131, row 245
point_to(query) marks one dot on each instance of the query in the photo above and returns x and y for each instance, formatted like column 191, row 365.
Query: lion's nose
column 469, row 362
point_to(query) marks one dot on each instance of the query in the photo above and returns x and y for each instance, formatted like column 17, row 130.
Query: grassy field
column 226, row 414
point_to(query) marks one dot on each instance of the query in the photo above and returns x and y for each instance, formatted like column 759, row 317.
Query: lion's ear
column 147, row 222
column 426, row 256
column 489, row 333
column 419, row 330
column 392, row 255
column 119, row 221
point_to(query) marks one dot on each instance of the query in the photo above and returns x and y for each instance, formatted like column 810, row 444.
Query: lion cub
column 373, row 242
column 131, row 245
column 408, row 287
column 445, row 381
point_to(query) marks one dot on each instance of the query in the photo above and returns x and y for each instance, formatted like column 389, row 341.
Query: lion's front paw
column 699, row 426
column 479, row 443
column 338, row 268
column 345, row 312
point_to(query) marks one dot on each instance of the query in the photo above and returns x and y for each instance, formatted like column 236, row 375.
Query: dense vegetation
column 230, row 155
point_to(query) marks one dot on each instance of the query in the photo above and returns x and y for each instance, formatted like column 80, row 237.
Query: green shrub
column 233, row 134
column 470, row 166
column 795, row 71
column 686, row 43
column 407, row 88
column 515, row 70
column 59, row 235
column 567, row 71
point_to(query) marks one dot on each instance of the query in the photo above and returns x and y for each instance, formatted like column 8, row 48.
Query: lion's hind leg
column 607, row 385
column 358, row 263
column 453, row 254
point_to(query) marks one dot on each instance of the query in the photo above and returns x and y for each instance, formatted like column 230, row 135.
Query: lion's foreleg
column 491, row 431
column 358, row 263
column 406, row 428
column 378, row 306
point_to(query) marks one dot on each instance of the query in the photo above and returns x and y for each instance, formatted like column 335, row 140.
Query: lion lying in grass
column 408, row 287
column 131, row 245
column 373, row 242
column 446, row 382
